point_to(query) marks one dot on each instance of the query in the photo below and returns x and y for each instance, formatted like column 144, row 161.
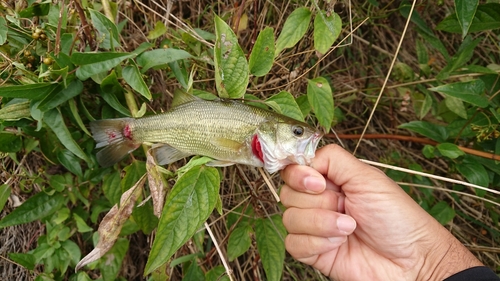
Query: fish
column 228, row 131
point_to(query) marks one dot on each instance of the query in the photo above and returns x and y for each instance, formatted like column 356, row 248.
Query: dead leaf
column 112, row 223
column 156, row 185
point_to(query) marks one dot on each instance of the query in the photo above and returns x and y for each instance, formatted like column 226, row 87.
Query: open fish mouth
column 306, row 150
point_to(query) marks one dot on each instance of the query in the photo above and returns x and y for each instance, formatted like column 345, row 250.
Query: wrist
column 446, row 257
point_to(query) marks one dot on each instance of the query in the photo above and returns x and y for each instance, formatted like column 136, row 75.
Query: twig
column 229, row 271
column 418, row 140
column 270, row 185
column 386, row 77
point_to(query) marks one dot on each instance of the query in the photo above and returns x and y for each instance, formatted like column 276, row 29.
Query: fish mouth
column 306, row 150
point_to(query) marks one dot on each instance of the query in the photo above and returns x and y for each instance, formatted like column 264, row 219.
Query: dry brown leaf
column 112, row 223
column 156, row 185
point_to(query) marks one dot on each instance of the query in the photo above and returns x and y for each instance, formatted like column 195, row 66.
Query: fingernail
column 337, row 240
column 346, row 224
column 314, row 184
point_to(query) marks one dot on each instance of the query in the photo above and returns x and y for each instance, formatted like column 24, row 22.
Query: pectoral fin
column 166, row 154
column 219, row 163
column 228, row 144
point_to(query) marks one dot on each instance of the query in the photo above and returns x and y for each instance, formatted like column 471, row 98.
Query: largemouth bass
column 228, row 131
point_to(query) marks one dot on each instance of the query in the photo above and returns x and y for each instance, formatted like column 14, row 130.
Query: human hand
column 351, row 222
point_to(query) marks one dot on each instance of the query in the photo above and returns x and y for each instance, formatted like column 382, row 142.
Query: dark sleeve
column 480, row 273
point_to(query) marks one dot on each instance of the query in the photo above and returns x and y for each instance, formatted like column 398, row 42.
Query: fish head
column 287, row 142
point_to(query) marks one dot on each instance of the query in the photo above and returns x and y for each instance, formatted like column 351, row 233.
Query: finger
column 303, row 179
column 328, row 200
column 318, row 222
column 302, row 246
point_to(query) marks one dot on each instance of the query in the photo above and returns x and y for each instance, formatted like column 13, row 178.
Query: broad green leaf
column 262, row 56
column 193, row 272
column 95, row 63
column 463, row 55
column 74, row 111
column 270, row 235
column 54, row 120
column 319, row 95
column 110, row 187
column 81, row 225
column 293, row 30
column 3, row 30
column 36, row 207
column 56, row 98
column 442, row 212
column 326, row 30
column 474, row 172
column 28, row 261
column 287, row 104
column 29, row 91
column 160, row 57
column 133, row 173
column 231, row 67
column 449, row 150
column 70, row 162
column 110, row 89
column 239, row 242
column 145, row 218
column 72, row 250
column 304, row 105
column 217, row 273
column 487, row 17
column 112, row 262
column 456, row 106
column 35, row 10
column 465, row 10
column 188, row 205
column 133, row 77
column 470, row 92
column 158, row 31
column 10, row 142
column 422, row 103
column 107, row 32
column 15, row 110
column 57, row 16
column 430, row 130
column 4, row 195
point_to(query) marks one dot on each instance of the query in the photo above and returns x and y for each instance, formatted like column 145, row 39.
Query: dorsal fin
column 181, row 97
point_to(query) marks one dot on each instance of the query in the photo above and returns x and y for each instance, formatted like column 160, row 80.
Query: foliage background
column 435, row 53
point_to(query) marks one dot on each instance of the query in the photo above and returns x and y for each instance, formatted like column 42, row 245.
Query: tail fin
column 115, row 136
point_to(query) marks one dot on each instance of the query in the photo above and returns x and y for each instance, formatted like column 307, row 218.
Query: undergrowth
column 67, row 63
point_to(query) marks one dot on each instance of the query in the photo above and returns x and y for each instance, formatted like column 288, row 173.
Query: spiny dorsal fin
column 181, row 97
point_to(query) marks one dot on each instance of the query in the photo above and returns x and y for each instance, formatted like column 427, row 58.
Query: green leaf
column 293, row 30
column 487, row 17
column 10, row 142
column 217, row 274
column 81, row 225
column 29, row 91
column 239, row 242
column 107, row 32
column 28, row 261
column 422, row 103
column 111, row 262
column 158, row 31
column 465, row 9
column 133, row 173
column 463, row 55
column 95, row 63
column 304, row 105
column 287, row 105
column 262, row 56
column 56, row 98
column 326, row 30
column 160, row 57
column 474, row 172
column 231, row 67
column 470, row 92
column 4, row 195
column 456, row 106
column 36, row 207
column 70, row 162
column 188, row 205
column 449, row 150
column 133, row 77
column 110, row 89
column 270, row 235
column 74, row 111
column 110, row 188
column 442, row 212
column 193, row 272
column 432, row 131
column 145, row 218
column 35, row 10
column 3, row 30
column 319, row 95
column 54, row 120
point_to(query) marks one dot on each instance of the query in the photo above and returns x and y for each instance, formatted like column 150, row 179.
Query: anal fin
column 166, row 154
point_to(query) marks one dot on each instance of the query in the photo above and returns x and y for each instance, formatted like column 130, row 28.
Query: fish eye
column 298, row 131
